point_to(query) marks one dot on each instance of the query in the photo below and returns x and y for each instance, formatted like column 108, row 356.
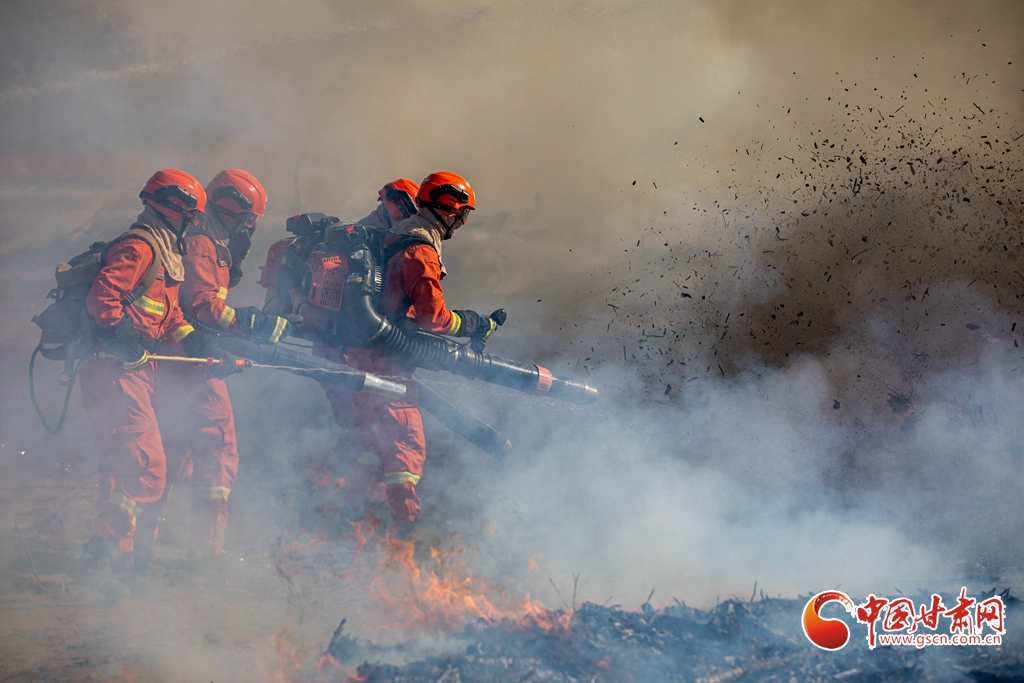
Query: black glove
column 479, row 328
column 255, row 323
column 202, row 345
column 229, row 364
column 123, row 341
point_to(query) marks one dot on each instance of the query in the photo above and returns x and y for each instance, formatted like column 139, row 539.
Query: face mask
column 238, row 246
column 234, row 276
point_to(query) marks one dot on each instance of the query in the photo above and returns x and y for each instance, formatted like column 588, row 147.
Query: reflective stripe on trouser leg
column 127, row 504
column 368, row 458
column 401, row 478
column 213, row 492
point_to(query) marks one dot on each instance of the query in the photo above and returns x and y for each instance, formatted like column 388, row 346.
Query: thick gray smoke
column 782, row 239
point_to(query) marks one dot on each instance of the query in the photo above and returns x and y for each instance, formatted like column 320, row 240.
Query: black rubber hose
column 432, row 353
column 67, row 396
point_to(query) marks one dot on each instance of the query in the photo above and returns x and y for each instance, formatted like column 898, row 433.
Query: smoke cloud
column 781, row 238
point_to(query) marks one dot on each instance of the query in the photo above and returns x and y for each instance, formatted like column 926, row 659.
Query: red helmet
column 398, row 197
column 238, row 192
column 448, row 192
column 174, row 193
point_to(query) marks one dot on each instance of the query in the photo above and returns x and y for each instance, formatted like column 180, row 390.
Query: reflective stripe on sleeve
column 368, row 458
column 401, row 478
column 275, row 336
column 182, row 332
column 222, row 293
column 456, row 325
column 149, row 305
column 212, row 492
column 226, row 317
column 127, row 504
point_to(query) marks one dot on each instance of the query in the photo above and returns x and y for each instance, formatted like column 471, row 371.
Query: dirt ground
column 185, row 625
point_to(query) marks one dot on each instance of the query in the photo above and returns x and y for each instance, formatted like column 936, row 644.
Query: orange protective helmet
column 238, row 192
column 447, row 192
column 399, row 198
column 174, row 193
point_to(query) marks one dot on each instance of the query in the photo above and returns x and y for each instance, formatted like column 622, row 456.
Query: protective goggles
column 231, row 192
column 462, row 213
column 459, row 195
column 193, row 217
column 245, row 220
column 164, row 195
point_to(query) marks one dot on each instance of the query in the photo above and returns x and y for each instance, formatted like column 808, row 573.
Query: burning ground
column 783, row 243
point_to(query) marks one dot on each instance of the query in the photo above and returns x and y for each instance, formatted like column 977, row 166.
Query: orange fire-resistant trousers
column 349, row 446
column 391, row 433
column 132, row 464
column 201, row 448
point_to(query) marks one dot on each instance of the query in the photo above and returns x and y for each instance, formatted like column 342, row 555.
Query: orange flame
column 438, row 595
column 442, row 595
column 322, row 476
column 293, row 665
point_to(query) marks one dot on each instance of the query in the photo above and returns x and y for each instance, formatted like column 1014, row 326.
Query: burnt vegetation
column 734, row 641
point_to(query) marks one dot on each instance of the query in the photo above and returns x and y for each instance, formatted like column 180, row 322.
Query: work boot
column 349, row 514
column 99, row 567
column 406, row 531
column 143, row 556
column 413, row 533
column 100, row 554
column 97, row 550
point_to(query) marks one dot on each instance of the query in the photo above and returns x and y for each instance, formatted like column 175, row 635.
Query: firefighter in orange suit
column 215, row 250
column 393, row 444
column 396, row 203
column 119, row 387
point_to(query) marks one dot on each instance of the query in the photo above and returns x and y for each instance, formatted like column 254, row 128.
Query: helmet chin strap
column 449, row 227
column 180, row 234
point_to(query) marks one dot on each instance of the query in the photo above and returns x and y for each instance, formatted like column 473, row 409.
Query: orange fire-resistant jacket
column 155, row 314
column 205, row 288
column 414, row 278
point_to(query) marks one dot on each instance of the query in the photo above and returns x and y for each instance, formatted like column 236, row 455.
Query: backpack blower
column 342, row 266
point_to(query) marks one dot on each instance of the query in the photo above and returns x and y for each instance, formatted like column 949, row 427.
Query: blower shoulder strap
column 154, row 269
column 392, row 250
